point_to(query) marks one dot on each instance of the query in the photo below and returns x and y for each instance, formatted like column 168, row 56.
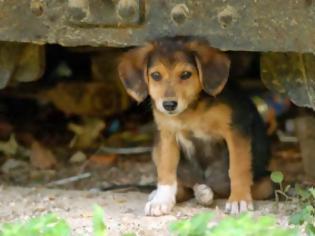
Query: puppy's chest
column 194, row 128
column 199, row 146
column 197, row 136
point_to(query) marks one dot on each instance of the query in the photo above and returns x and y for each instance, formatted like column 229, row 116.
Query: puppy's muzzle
column 170, row 105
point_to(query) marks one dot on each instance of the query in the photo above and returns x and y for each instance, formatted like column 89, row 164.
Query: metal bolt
column 126, row 9
column 227, row 16
column 37, row 7
column 78, row 9
column 179, row 13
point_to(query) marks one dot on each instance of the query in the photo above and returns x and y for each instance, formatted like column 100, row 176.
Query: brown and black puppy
column 185, row 79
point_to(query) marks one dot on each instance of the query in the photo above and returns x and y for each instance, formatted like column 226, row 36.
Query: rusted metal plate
column 20, row 62
column 292, row 74
column 104, row 13
column 252, row 25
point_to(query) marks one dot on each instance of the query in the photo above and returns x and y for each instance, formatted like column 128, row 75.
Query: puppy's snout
column 170, row 105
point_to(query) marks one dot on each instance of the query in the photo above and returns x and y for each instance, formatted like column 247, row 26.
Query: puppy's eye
column 185, row 75
column 156, row 76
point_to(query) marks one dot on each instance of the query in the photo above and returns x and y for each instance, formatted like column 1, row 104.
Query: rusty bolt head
column 37, row 7
column 179, row 13
column 227, row 16
column 126, row 9
column 78, row 9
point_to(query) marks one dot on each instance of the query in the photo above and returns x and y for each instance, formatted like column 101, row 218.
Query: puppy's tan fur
column 209, row 69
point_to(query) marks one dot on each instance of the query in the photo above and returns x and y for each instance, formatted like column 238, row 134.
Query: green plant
column 48, row 225
column 277, row 177
column 242, row 225
column 52, row 225
column 197, row 225
column 305, row 198
column 99, row 227
column 306, row 214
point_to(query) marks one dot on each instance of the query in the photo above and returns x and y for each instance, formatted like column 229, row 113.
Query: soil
column 123, row 209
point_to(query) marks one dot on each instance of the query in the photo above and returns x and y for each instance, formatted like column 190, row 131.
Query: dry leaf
column 85, row 99
column 41, row 157
column 86, row 133
column 103, row 160
column 10, row 147
column 78, row 157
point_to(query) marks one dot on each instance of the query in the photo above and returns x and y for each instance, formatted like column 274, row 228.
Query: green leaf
column 304, row 215
column 246, row 225
column 99, row 227
column 303, row 193
column 196, row 226
column 242, row 225
column 277, row 177
column 310, row 229
column 200, row 222
column 47, row 225
column 180, row 227
column 312, row 191
column 287, row 188
column 297, row 218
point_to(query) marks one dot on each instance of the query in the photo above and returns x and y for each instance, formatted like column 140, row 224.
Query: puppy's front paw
column 161, row 201
column 203, row 194
column 237, row 207
column 151, row 195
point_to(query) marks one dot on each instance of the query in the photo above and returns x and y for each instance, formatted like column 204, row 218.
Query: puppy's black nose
column 170, row 105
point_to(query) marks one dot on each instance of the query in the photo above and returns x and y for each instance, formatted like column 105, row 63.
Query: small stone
column 77, row 157
column 12, row 164
column 43, row 175
column 147, row 179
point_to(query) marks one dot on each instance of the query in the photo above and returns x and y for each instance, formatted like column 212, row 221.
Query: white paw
column 151, row 195
column 161, row 201
column 238, row 207
column 203, row 194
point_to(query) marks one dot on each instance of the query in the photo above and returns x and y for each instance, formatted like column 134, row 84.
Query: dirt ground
column 120, row 186
column 123, row 209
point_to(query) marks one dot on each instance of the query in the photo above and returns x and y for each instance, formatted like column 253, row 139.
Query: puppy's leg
column 203, row 194
column 184, row 193
column 240, row 173
column 166, row 157
column 262, row 189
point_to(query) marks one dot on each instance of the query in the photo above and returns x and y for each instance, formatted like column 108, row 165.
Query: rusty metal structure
column 250, row 25
column 246, row 25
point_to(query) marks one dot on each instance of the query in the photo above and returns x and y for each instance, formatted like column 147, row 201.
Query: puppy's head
column 173, row 71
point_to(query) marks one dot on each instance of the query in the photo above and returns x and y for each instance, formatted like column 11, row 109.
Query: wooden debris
column 305, row 132
column 41, row 157
column 77, row 157
column 9, row 147
column 125, row 150
column 102, row 160
column 86, row 133
column 70, row 179
column 13, row 164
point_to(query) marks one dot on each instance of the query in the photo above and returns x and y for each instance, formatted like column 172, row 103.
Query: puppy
column 185, row 79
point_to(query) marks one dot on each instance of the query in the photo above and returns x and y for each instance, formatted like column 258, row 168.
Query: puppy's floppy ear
column 132, row 71
column 213, row 66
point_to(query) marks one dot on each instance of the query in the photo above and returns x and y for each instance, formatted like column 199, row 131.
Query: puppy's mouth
column 169, row 109
column 171, row 113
